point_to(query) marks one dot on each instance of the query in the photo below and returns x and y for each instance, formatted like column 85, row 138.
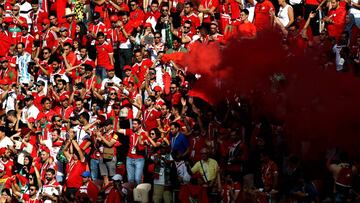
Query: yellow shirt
column 210, row 167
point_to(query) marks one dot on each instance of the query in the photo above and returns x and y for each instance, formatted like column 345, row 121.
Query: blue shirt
column 179, row 143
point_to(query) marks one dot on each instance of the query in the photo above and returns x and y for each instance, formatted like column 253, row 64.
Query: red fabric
column 177, row 57
column 134, row 142
column 150, row 119
column 209, row 4
column 5, row 43
column 149, row 14
column 114, row 196
column 103, row 51
column 139, row 69
column 137, row 15
column 195, row 21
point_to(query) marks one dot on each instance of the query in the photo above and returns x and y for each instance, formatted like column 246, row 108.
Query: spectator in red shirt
column 136, row 14
column 153, row 15
column 335, row 19
column 189, row 15
column 88, row 188
column 75, row 167
column 262, row 19
column 207, row 9
column 105, row 56
column 247, row 30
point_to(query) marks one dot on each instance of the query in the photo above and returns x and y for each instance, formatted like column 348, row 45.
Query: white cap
column 117, row 177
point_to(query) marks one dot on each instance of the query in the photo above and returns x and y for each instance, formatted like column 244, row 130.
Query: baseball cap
column 31, row 120
column 40, row 83
column 117, row 177
column 157, row 89
column 46, row 21
column 126, row 67
column 62, row 29
column 4, row 82
column 86, row 174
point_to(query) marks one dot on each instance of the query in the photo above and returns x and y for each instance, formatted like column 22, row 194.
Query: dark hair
column 7, row 191
column 51, row 170
column 152, row 98
column 22, row 44
column 11, row 113
column 245, row 11
column 85, row 115
column 175, row 124
column 3, row 129
column 189, row 3
column 100, row 34
column 137, row 120
column 124, row 13
column 43, row 100
column 67, row 44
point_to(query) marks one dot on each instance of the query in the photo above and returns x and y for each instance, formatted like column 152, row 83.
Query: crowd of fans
column 90, row 110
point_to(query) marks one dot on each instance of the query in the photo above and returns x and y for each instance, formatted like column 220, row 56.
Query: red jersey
column 136, row 147
column 193, row 18
column 209, row 4
column 90, row 190
column 28, row 40
column 150, row 119
column 262, row 19
column 100, row 27
column 74, row 169
column 139, row 69
column 148, row 15
column 247, row 30
column 49, row 39
column 129, row 27
column 137, row 16
column 103, row 59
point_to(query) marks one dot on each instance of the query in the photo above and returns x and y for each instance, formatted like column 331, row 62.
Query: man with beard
column 6, row 163
column 37, row 16
column 151, row 114
column 110, row 80
column 26, row 38
column 48, row 36
column 184, row 32
column 30, row 110
column 141, row 66
column 65, row 110
column 125, row 49
column 189, row 15
column 22, row 61
column 88, row 187
column 14, row 22
column 7, row 72
column 214, row 35
column 51, row 189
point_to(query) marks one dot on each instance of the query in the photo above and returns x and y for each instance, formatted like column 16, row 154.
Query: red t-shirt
column 247, row 30
column 103, row 51
column 209, row 4
column 139, row 69
column 74, row 170
column 135, row 143
column 150, row 119
column 262, row 18
column 338, row 17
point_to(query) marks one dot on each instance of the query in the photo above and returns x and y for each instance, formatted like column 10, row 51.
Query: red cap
column 4, row 58
column 25, row 25
column 7, row 20
column 109, row 68
column 45, row 149
column 31, row 120
column 2, row 150
column 114, row 18
column 127, row 67
column 46, row 21
column 40, row 116
column 157, row 89
column 147, row 25
column 8, row 7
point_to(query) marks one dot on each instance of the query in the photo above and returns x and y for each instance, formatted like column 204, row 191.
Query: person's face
column 32, row 190
column 148, row 102
column 79, row 105
column 110, row 73
column 165, row 10
column 57, row 121
column 119, row 2
column 125, row 19
column 164, row 110
column 54, row 136
column 69, row 19
column 83, row 53
column 85, row 180
column 77, row 28
column 213, row 29
column 128, row 73
column 5, row 196
column 24, row 30
column 19, row 48
column 152, row 134
column 138, row 57
column 204, row 155
column 152, row 74
column 112, row 94
column 187, row 28
column 46, row 54
column 243, row 16
column 49, row 176
column 176, row 44
column 136, row 126
column 101, row 39
column 173, row 88
column 334, row 4
column 66, row 50
column 53, row 20
column 45, row 26
column 60, row 85
column 35, row 7
column 44, row 156
column 133, row 6
column 4, row 64
column 81, row 70
column 187, row 9
column 15, row 10
column 26, row 161
column 174, row 130
column 154, row 7
column 31, row 179
column 64, row 33
column 157, row 38
column 47, row 105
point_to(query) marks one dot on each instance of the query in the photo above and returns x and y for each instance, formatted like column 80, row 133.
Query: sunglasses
column 156, row 37
column 113, row 93
column 132, row 4
column 165, row 10
column 186, row 27
column 15, row 10
column 46, row 53
column 51, row 18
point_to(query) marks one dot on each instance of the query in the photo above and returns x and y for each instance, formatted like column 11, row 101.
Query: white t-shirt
column 6, row 142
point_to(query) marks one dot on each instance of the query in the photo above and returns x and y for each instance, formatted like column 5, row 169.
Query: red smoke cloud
column 319, row 108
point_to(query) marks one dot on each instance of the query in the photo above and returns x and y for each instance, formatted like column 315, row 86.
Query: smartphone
column 110, row 84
